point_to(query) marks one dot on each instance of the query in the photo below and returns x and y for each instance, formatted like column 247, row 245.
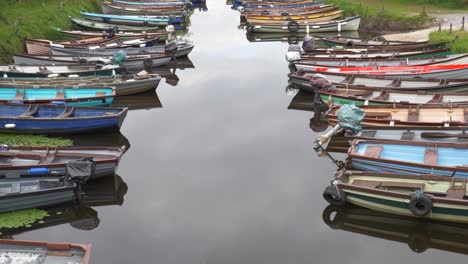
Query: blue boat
column 406, row 157
column 131, row 20
column 150, row 3
column 53, row 119
column 73, row 96
column 263, row 5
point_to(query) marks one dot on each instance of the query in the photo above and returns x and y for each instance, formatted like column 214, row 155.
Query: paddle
column 442, row 135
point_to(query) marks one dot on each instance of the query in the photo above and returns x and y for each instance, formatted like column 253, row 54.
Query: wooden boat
column 271, row 20
column 310, row 64
column 123, row 85
column 63, row 70
column 49, row 119
column 131, row 62
column 289, row 37
column 409, row 157
column 43, row 47
column 152, row 3
column 372, row 43
column 447, row 115
column 448, row 135
column 290, row 12
column 44, row 252
column 281, row 5
column 130, row 20
column 111, row 8
column 27, row 94
column 424, row 196
column 94, row 25
column 347, row 24
column 395, row 72
column 74, row 34
column 29, row 161
column 418, row 235
column 25, row 193
column 366, row 96
column 301, row 79
column 179, row 49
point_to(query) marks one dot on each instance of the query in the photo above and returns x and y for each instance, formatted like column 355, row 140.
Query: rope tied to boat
column 418, row 194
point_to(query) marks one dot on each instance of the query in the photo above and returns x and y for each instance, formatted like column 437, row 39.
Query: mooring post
column 440, row 27
column 463, row 24
column 450, row 30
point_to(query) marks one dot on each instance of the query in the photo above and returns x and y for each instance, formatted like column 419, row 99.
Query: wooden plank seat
column 379, row 115
column 389, row 184
column 430, row 157
column 19, row 96
column 395, row 83
column 384, row 94
column 60, row 95
column 30, row 112
column 373, row 151
column 100, row 94
column 67, row 112
column 413, row 115
column 456, row 191
column 465, row 114
column 349, row 79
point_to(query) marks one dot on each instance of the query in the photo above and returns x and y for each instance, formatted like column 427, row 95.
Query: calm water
column 220, row 171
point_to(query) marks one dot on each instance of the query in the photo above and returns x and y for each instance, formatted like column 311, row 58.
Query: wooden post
column 463, row 24
column 440, row 27
column 450, row 30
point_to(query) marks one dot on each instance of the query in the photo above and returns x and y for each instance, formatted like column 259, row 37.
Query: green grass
column 33, row 140
column 21, row 19
column 458, row 40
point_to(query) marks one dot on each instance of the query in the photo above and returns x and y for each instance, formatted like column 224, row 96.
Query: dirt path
column 422, row 35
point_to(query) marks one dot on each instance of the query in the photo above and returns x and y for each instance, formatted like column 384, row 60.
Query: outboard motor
column 171, row 47
column 112, row 31
column 294, row 53
column 308, row 44
column 81, row 170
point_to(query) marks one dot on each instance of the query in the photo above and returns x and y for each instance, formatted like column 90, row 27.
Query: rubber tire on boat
column 420, row 204
column 285, row 14
column 82, row 61
column 265, row 12
column 333, row 222
column 249, row 29
column 148, row 62
column 350, row 44
column 418, row 239
column 293, row 26
column 334, row 195
column 293, row 40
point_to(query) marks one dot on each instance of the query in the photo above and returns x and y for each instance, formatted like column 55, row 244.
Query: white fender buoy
column 10, row 125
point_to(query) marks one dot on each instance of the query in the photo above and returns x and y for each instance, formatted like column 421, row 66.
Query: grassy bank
column 21, row 19
column 33, row 140
column 458, row 40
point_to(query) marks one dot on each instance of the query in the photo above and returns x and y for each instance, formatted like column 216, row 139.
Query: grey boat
column 124, row 85
column 24, row 193
column 131, row 62
column 183, row 49
column 347, row 24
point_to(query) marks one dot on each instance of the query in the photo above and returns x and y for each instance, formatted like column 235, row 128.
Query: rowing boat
column 21, row 251
column 63, row 70
column 73, row 96
column 290, row 12
column 401, row 116
column 347, row 24
column 95, row 25
column 272, row 20
column 424, row 196
column 123, row 85
column 133, row 20
column 111, row 8
column 77, row 34
column 50, row 119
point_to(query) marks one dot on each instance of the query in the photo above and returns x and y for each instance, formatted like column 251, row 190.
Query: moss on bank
column 33, row 140
column 458, row 40
column 21, row 19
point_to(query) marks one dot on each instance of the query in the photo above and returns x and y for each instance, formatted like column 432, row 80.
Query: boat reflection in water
column 303, row 101
column 147, row 100
column 168, row 72
column 102, row 192
column 419, row 234
column 100, row 139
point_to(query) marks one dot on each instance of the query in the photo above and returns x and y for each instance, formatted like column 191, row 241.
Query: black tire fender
column 420, row 204
column 293, row 26
column 334, row 195
column 148, row 62
column 350, row 44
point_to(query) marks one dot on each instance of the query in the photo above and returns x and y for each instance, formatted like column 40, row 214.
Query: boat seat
column 456, row 191
column 430, row 157
column 68, row 111
column 30, row 112
column 60, row 95
column 402, row 185
column 384, row 94
column 100, row 94
column 349, row 79
column 368, row 184
column 19, row 96
column 437, row 98
column 373, row 151
column 465, row 115
column 413, row 115
column 395, row 83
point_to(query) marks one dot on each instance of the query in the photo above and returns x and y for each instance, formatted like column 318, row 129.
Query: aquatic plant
column 33, row 140
column 21, row 218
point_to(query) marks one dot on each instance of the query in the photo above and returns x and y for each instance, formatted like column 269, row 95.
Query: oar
column 442, row 135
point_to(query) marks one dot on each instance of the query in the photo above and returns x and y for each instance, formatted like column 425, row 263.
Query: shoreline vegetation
column 21, row 19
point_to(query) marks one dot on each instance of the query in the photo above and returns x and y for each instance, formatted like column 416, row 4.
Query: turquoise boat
column 59, row 95
column 409, row 157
